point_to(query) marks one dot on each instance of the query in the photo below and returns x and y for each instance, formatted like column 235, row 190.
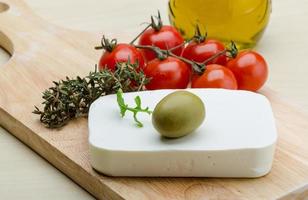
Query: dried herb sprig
column 71, row 98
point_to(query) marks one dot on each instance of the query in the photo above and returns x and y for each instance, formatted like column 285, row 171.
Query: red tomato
column 121, row 53
column 200, row 52
column 166, row 38
column 215, row 76
column 250, row 70
column 170, row 73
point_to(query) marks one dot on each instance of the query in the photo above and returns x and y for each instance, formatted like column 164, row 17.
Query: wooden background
column 25, row 175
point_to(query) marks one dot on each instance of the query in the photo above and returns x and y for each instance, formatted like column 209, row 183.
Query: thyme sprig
column 135, row 110
column 71, row 98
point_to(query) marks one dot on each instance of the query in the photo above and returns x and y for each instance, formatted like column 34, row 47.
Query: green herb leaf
column 121, row 103
column 124, row 107
column 138, row 101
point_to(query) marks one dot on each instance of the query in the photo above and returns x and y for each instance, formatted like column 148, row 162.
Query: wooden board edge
column 299, row 193
column 6, row 43
column 65, row 164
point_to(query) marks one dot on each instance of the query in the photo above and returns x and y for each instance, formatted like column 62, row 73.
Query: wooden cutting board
column 42, row 52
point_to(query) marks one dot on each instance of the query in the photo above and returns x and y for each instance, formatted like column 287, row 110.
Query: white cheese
column 237, row 138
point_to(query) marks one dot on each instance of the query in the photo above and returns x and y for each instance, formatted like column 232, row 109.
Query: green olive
column 178, row 114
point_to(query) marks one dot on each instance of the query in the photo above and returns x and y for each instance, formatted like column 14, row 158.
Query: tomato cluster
column 172, row 63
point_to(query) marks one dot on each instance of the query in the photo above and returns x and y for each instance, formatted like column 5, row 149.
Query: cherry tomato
column 200, row 52
column 215, row 76
column 170, row 73
column 121, row 53
column 165, row 38
column 250, row 70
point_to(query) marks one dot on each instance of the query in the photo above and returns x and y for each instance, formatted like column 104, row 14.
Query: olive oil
column 242, row 21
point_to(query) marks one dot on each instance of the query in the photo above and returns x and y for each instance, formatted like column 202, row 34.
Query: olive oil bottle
column 242, row 21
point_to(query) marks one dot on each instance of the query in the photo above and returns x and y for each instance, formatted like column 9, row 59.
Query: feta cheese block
column 237, row 138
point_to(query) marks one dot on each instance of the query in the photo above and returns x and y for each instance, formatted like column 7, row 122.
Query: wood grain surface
column 43, row 52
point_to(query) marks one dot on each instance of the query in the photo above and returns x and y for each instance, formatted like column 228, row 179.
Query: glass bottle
column 242, row 21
